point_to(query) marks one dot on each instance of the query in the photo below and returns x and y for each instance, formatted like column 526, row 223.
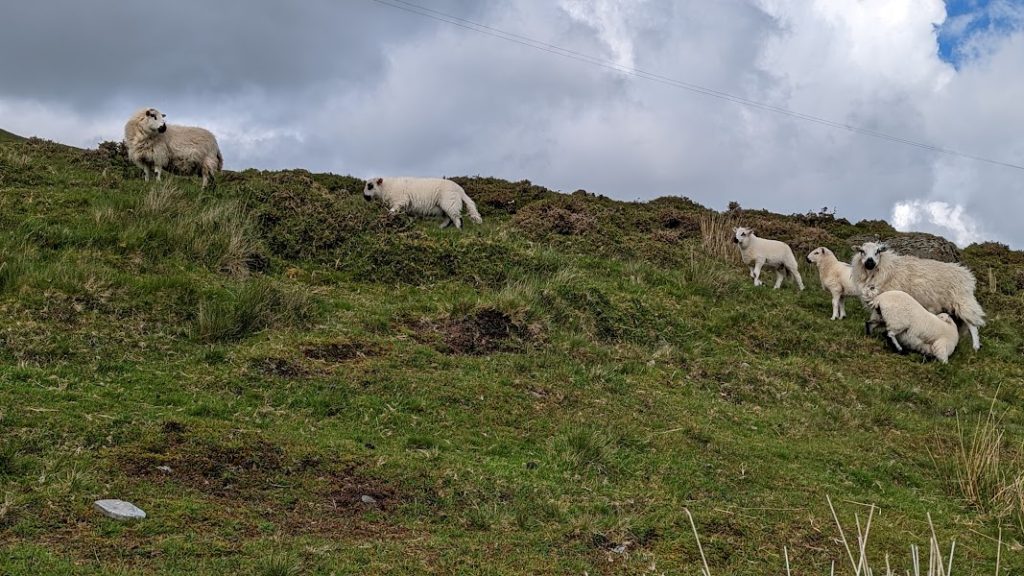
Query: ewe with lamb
column 937, row 286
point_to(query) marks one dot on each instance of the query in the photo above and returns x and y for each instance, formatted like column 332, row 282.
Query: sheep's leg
column 795, row 272
column 147, row 172
column 445, row 222
column 872, row 322
column 842, row 307
column 159, row 172
column 757, row 272
column 895, row 342
column 837, row 303
column 780, row 275
column 975, row 339
column 752, row 272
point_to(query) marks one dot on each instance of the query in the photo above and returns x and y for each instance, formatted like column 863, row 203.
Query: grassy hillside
column 288, row 381
column 6, row 136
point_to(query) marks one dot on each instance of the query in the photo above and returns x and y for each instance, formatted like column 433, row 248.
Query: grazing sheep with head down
column 423, row 197
column 938, row 286
column 835, row 277
column 909, row 324
column 760, row 252
column 155, row 146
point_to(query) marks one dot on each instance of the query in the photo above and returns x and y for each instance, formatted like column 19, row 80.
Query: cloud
column 356, row 87
column 936, row 217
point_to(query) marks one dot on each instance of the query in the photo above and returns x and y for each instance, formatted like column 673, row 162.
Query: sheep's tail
column 471, row 208
column 968, row 310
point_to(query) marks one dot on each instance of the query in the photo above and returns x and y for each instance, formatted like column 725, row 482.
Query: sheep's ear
column 380, row 181
column 883, row 248
column 856, row 248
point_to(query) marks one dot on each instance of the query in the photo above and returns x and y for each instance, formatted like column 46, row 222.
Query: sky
column 358, row 87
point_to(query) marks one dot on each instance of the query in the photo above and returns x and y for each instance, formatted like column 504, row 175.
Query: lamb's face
column 870, row 253
column 372, row 189
column 741, row 236
column 816, row 254
column 153, row 122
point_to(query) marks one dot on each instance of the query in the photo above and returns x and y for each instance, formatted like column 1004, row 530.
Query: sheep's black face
column 869, row 263
column 368, row 192
column 162, row 128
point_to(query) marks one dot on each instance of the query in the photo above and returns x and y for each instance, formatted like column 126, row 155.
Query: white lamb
column 909, row 324
column 423, row 197
column 155, row 146
column 835, row 277
column 760, row 252
column 938, row 286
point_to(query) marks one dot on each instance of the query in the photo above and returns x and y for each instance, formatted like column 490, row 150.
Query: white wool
column 155, row 146
column 423, row 197
column 758, row 253
column 910, row 325
column 938, row 286
column 836, row 278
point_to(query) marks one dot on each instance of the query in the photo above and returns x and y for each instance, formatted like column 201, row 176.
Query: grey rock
column 165, row 469
column 367, row 499
column 119, row 509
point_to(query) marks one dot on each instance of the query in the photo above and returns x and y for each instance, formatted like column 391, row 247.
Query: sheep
column 155, row 146
column 424, row 197
column 938, row 286
column 909, row 324
column 836, row 277
column 759, row 252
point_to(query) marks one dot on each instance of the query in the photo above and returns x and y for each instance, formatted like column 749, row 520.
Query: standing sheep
column 423, row 197
column 759, row 252
column 155, row 146
column 909, row 324
column 836, row 277
column 938, row 286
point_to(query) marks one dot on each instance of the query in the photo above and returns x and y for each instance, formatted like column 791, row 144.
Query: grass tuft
column 233, row 314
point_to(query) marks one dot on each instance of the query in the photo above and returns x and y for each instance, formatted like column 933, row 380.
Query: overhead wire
column 695, row 88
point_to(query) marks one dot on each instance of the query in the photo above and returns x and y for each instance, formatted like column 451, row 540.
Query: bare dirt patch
column 485, row 331
column 278, row 367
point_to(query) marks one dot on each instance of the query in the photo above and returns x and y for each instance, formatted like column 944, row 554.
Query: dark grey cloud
column 88, row 53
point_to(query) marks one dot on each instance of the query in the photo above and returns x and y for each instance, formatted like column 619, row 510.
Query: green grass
column 544, row 394
column 6, row 136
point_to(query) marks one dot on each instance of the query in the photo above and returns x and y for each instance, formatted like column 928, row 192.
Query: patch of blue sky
column 969, row 20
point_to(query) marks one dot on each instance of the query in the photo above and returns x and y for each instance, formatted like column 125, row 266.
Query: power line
column 695, row 88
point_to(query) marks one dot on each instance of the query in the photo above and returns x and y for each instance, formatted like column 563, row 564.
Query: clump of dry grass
column 988, row 474
column 938, row 563
column 716, row 235
column 220, row 233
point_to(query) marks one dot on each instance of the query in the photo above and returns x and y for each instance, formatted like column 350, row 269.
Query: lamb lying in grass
column 909, row 324
column 760, row 252
column 835, row 277
column 423, row 197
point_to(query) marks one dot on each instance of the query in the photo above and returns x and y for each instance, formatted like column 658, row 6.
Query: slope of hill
column 6, row 136
column 289, row 381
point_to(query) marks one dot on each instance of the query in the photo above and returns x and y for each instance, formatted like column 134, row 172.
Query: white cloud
column 936, row 217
